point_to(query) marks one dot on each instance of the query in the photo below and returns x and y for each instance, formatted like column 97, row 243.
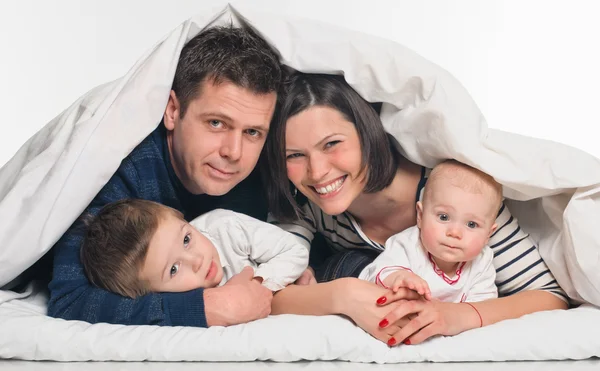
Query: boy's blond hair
column 467, row 178
column 116, row 243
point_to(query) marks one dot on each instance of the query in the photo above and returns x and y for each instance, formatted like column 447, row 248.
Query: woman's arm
column 317, row 300
column 351, row 297
column 438, row 318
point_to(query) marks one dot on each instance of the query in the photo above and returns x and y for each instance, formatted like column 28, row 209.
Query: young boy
column 133, row 247
column 445, row 256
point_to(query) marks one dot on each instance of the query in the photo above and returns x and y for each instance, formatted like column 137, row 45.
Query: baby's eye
column 472, row 225
column 186, row 240
column 174, row 269
column 443, row 217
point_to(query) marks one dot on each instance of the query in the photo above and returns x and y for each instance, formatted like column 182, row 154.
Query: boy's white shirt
column 276, row 255
column 476, row 282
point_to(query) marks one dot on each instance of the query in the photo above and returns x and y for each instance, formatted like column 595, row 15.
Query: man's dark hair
column 235, row 54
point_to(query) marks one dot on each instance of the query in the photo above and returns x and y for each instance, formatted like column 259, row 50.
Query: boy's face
column 180, row 258
column 455, row 224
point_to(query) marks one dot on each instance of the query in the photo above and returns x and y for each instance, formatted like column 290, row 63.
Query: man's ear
column 419, row 213
column 172, row 111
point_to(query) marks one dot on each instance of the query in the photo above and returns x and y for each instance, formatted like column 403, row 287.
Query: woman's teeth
column 331, row 187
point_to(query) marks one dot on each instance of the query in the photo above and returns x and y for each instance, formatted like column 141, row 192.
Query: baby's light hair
column 466, row 177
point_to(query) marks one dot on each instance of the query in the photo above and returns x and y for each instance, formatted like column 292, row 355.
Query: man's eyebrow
column 217, row 115
column 224, row 117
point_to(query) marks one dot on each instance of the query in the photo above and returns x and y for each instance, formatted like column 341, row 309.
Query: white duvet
column 48, row 183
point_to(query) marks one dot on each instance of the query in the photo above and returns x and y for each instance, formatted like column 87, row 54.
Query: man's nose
column 231, row 147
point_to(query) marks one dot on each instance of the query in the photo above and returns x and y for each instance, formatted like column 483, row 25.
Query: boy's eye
column 215, row 123
column 174, row 269
column 186, row 240
column 472, row 225
column 443, row 217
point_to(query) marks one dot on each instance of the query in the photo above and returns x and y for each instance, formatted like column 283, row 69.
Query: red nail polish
column 406, row 341
column 381, row 300
column 391, row 342
column 384, row 322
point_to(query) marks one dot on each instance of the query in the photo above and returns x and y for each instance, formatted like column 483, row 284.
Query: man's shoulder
column 147, row 150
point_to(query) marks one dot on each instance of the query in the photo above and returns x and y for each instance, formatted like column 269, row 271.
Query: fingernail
column 391, row 342
column 406, row 341
column 384, row 322
column 381, row 300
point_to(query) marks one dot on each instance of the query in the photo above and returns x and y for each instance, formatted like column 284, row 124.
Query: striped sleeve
column 518, row 263
column 304, row 229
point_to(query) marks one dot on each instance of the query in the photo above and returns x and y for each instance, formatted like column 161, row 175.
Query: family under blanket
column 179, row 235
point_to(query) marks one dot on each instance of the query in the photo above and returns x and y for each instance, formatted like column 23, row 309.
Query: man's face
column 217, row 143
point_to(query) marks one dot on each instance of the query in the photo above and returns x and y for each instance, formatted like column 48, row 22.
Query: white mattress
column 30, row 335
column 586, row 365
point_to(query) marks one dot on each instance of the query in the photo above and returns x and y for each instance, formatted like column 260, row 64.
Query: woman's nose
column 318, row 167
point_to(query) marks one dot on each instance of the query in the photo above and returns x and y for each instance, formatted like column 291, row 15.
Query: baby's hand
column 404, row 278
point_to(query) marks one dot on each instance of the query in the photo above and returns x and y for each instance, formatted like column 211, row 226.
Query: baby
column 133, row 247
column 445, row 256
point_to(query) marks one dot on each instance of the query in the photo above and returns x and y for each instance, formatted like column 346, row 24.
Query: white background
column 531, row 65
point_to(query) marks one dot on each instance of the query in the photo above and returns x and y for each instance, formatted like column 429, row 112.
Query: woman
column 350, row 184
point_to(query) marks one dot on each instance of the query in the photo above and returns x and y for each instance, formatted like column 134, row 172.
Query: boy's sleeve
column 484, row 287
column 281, row 258
column 72, row 297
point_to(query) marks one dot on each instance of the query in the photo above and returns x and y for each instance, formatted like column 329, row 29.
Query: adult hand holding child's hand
column 242, row 299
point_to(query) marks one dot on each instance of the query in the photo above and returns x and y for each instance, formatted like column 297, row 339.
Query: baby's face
column 180, row 258
column 455, row 224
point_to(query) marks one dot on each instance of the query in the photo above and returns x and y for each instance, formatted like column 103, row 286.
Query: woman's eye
column 186, row 240
column 443, row 217
column 174, row 269
column 215, row 123
column 293, row 155
column 331, row 144
column 472, row 225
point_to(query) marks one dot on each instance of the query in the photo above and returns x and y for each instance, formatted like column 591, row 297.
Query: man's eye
column 253, row 132
column 215, row 123
column 186, row 240
column 472, row 225
column 443, row 217
column 174, row 269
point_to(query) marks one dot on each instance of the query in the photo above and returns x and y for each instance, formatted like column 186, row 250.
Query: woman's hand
column 427, row 318
column 359, row 300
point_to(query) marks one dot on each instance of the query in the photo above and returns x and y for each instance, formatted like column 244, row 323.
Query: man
column 200, row 157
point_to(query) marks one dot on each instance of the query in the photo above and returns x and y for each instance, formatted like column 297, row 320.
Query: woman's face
column 323, row 156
